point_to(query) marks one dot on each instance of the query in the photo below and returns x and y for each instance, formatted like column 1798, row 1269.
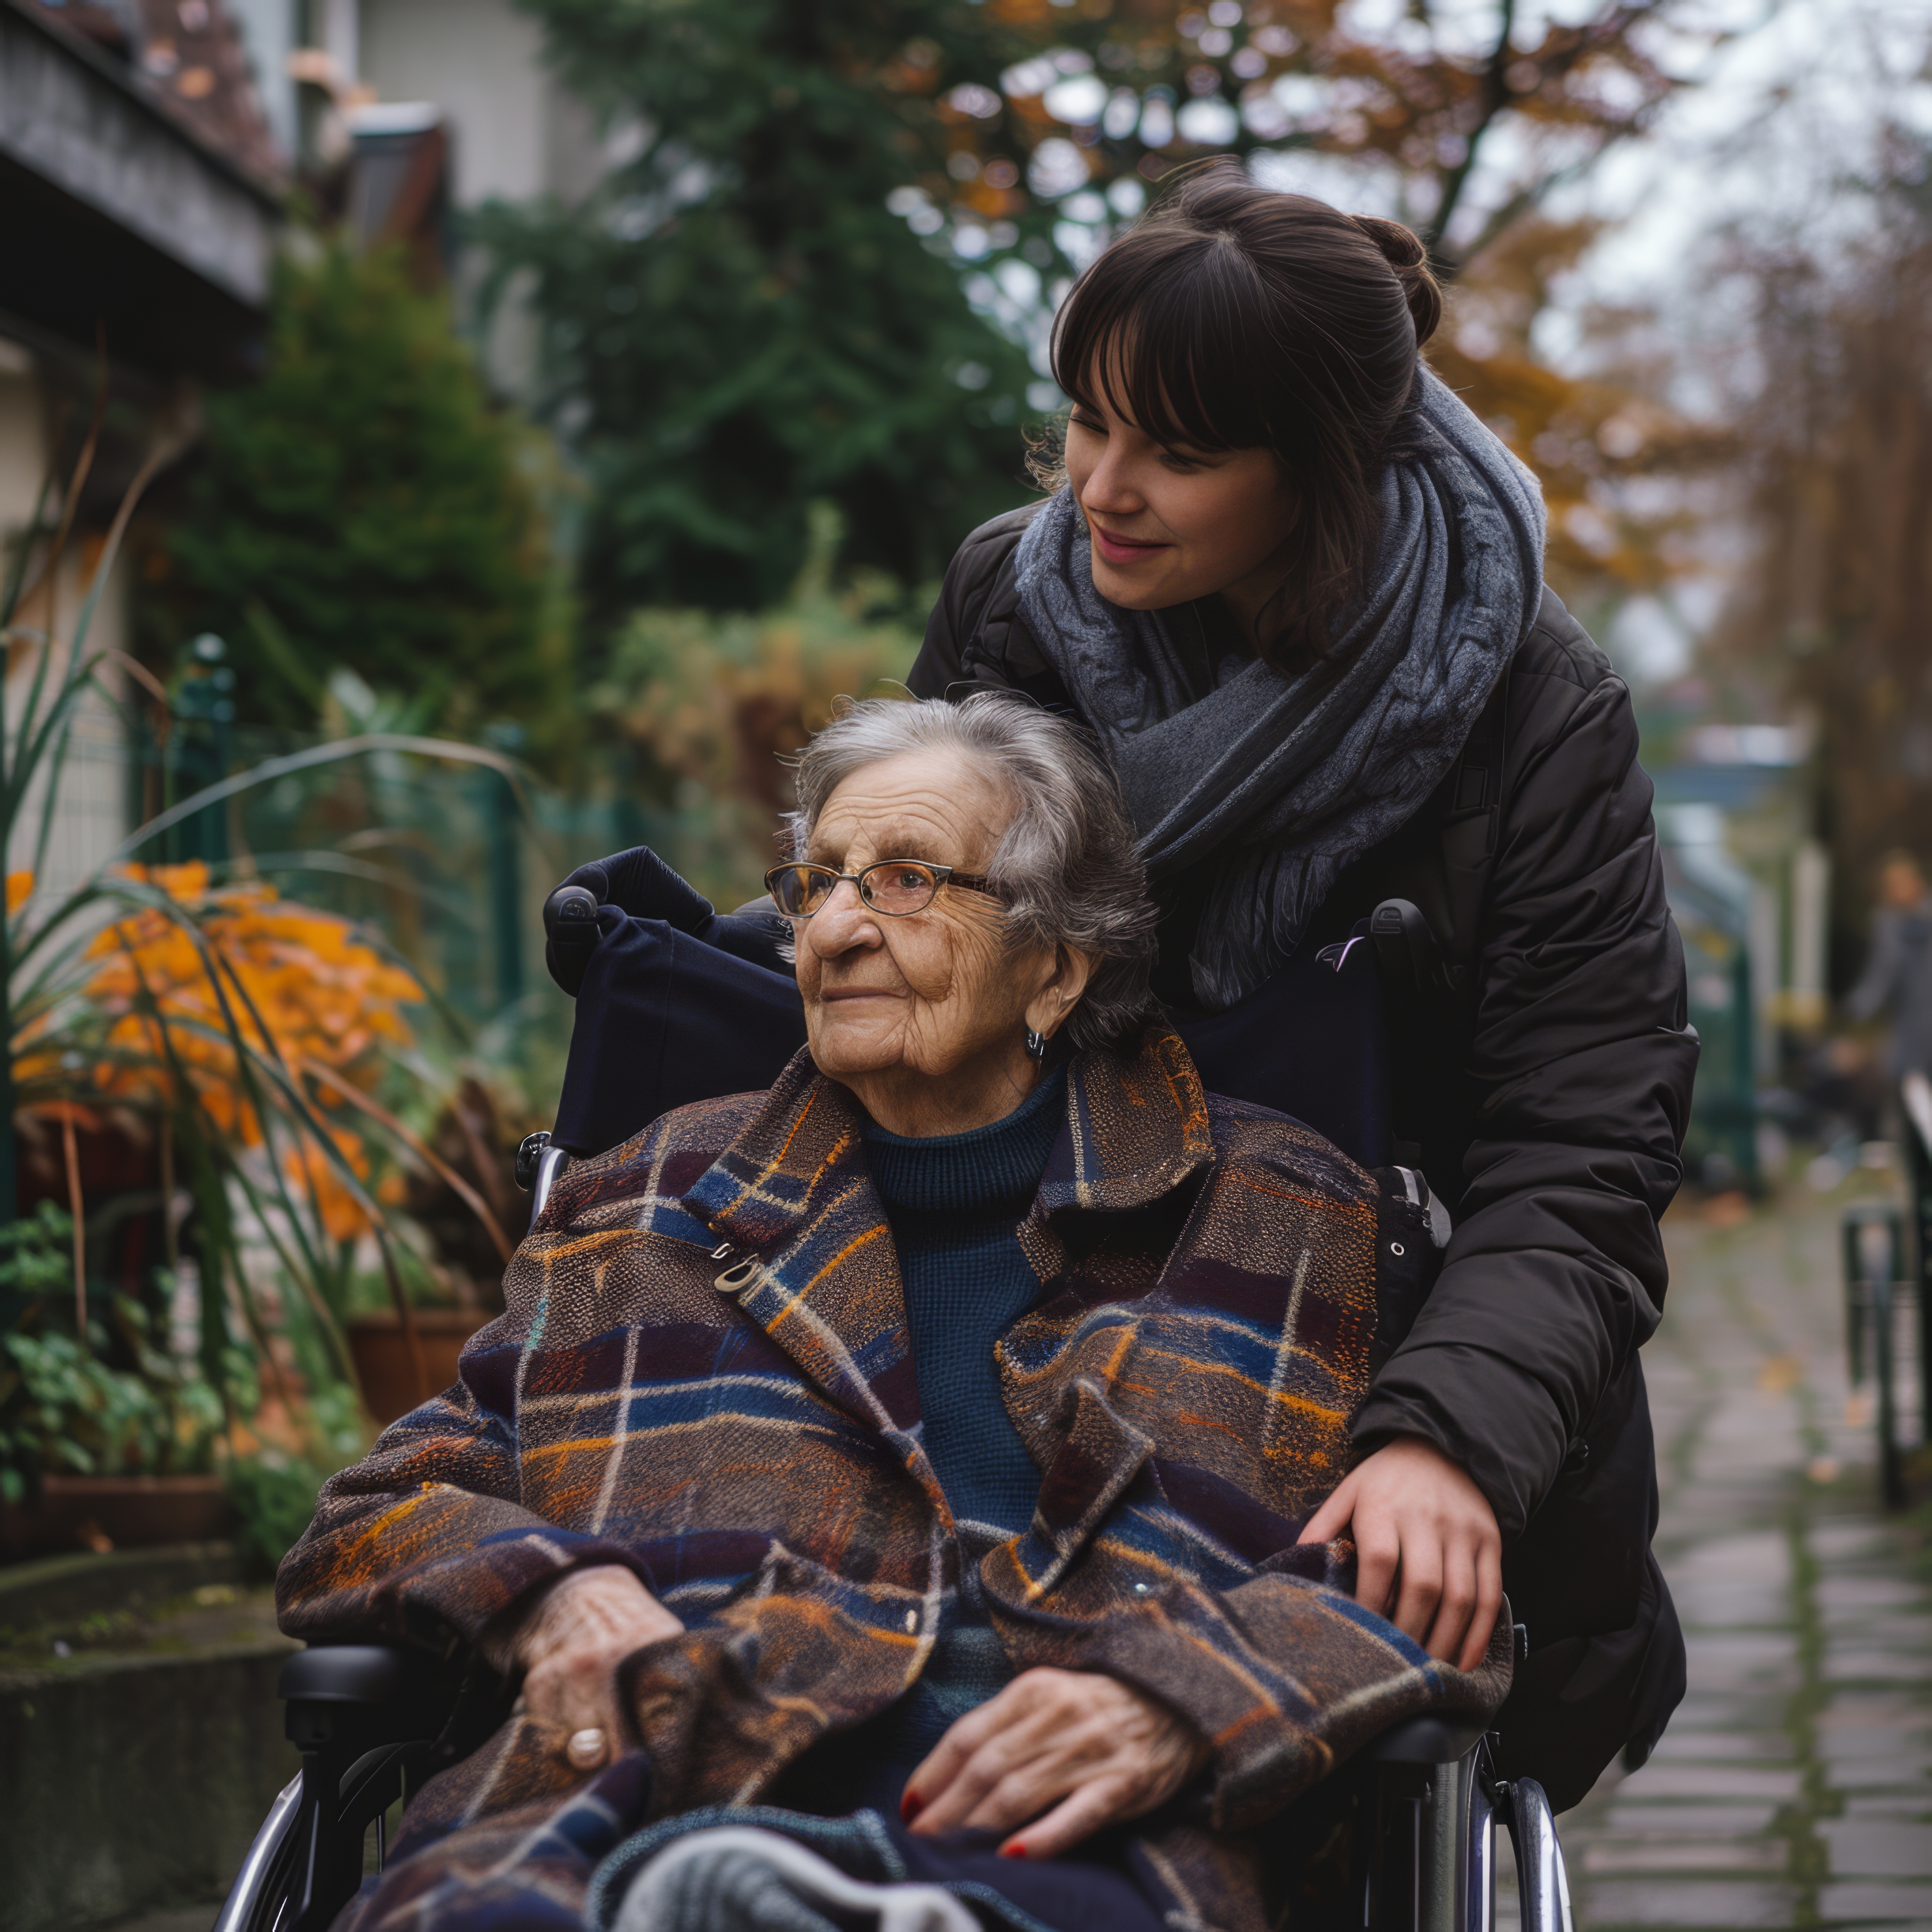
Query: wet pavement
column 1794, row 1788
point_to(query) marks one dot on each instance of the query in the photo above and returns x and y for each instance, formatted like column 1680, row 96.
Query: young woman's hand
column 570, row 1645
column 1062, row 1753
column 1428, row 1554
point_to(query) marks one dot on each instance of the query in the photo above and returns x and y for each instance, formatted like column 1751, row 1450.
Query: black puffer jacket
column 1547, row 1086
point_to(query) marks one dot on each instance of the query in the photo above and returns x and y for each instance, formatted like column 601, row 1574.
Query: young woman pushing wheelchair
column 1295, row 588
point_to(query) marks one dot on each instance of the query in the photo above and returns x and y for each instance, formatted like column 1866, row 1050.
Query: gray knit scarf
column 1279, row 782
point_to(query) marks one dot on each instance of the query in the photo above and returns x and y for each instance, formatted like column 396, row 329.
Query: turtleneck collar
column 992, row 1169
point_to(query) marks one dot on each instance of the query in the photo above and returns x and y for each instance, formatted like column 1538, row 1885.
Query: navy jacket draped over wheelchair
column 1544, row 1089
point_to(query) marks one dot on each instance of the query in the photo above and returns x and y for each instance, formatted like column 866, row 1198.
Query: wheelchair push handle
column 539, row 1162
column 1408, row 954
column 566, row 911
column 570, row 934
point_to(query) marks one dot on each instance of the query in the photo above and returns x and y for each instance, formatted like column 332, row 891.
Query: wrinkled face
column 931, row 993
column 1168, row 525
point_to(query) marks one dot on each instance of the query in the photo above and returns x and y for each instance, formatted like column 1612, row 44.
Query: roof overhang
column 118, row 219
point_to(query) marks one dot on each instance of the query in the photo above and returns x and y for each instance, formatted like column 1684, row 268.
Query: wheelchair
column 1400, row 1839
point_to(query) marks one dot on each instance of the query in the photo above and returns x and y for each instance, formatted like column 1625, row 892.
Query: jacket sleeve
column 1582, row 1061
column 938, row 666
column 427, row 1538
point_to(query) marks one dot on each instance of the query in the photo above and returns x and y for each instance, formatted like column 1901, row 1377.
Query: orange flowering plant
column 179, row 996
column 252, row 1035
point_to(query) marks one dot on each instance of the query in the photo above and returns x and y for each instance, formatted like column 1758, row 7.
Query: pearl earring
column 1036, row 1045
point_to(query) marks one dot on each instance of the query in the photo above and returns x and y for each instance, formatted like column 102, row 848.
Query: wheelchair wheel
column 1543, row 1885
column 263, row 1891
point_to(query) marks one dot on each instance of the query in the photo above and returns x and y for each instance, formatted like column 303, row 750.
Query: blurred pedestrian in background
column 1897, row 978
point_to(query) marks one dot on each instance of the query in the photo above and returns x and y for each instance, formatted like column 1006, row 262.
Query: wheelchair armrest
column 1425, row 1741
column 348, row 1673
column 371, row 1721
column 343, row 1700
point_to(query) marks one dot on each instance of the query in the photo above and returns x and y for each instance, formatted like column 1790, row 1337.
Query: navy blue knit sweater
column 954, row 1202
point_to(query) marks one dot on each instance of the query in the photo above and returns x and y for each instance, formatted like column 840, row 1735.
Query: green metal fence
column 450, row 862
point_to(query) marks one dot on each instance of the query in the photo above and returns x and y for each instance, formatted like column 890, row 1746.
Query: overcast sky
column 1788, row 123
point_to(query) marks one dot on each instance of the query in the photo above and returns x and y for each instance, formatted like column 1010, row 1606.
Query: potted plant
column 93, row 1456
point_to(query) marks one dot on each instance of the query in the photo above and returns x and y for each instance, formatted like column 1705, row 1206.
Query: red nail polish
column 910, row 1806
column 1015, row 1850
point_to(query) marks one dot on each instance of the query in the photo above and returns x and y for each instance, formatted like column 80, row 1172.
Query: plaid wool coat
column 704, row 1373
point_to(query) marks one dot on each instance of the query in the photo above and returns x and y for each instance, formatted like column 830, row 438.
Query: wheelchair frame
column 372, row 1722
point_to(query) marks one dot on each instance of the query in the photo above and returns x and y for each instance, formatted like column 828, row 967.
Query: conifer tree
column 365, row 505
column 736, row 321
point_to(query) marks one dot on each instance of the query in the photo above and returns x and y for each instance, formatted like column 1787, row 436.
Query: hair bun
column 1402, row 249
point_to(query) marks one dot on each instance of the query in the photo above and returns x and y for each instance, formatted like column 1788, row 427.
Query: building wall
column 22, row 435
column 89, row 817
column 268, row 28
column 516, row 133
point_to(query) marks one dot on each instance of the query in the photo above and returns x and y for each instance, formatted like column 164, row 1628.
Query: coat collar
column 800, row 1150
column 806, row 1251
column 1136, row 1128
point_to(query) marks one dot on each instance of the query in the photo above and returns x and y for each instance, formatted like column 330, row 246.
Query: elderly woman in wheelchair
column 927, row 1486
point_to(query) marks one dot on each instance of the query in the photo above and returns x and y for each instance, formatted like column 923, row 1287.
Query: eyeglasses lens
column 800, row 890
column 897, row 888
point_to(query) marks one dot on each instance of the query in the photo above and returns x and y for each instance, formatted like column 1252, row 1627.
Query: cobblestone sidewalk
column 1794, row 1787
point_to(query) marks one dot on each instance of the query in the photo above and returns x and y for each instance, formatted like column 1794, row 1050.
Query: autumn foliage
column 166, row 994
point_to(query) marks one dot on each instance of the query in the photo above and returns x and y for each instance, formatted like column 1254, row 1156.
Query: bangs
column 1170, row 336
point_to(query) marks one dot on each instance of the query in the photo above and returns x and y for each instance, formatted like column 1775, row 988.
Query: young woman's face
column 1168, row 525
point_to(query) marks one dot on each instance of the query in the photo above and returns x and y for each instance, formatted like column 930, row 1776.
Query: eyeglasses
column 893, row 887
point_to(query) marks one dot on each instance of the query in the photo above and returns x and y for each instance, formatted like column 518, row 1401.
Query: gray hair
column 1068, row 864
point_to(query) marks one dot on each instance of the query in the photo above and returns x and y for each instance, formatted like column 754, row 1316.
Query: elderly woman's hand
column 570, row 1645
column 1428, row 1554
column 1063, row 1753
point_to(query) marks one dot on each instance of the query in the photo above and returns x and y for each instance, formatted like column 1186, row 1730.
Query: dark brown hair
column 1233, row 317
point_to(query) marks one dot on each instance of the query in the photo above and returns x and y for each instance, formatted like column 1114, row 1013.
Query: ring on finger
column 585, row 1750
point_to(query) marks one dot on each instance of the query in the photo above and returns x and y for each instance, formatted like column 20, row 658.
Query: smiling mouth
column 1124, row 549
